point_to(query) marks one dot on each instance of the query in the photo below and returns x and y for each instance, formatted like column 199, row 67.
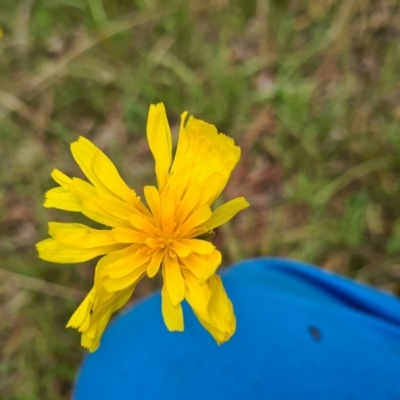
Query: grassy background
column 310, row 90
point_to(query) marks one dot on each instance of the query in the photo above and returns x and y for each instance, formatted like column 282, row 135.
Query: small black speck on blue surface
column 315, row 333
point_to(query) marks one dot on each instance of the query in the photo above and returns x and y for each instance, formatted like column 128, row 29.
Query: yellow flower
column 170, row 231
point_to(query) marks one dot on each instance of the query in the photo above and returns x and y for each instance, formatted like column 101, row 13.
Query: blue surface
column 301, row 334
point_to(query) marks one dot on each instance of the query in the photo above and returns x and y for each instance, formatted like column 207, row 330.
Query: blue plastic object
column 301, row 333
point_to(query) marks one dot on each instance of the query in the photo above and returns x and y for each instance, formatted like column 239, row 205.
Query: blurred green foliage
column 310, row 90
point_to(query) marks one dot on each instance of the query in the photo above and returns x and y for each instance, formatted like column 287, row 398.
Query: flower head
column 168, row 231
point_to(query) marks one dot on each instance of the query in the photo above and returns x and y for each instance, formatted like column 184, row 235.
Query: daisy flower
column 169, row 230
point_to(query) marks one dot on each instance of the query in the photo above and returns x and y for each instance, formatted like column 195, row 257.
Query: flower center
column 165, row 242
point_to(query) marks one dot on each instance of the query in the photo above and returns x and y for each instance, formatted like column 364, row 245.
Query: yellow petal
column 159, row 138
column 89, row 198
column 143, row 224
column 124, row 235
column 194, row 142
column 178, row 180
column 172, row 314
column 60, row 178
column 106, row 300
column 153, row 243
column 122, row 263
column 98, row 322
column 200, row 216
column 102, row 298
column 92, row 342
column 80, row 236
column 188, row 203
column 142, row 209
column 173, row 279
column 100, row 170
column 227, row 211
column 198, row 246
column 83, row 152
column 80, row 319
column 107, row 173
column 98, row 214
column 211, row 188
column 220, row 321
column 203, row 266
column 153, row 201
column 51, row 250
column 83, row 190
column 62, row 199
column 182, row 250
column 126, row 281
column 155, row 263
column 182, row 144
column 168, row 209
column 100, row 318
column 115, row 207
column 209, row 151
column 196, row 295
